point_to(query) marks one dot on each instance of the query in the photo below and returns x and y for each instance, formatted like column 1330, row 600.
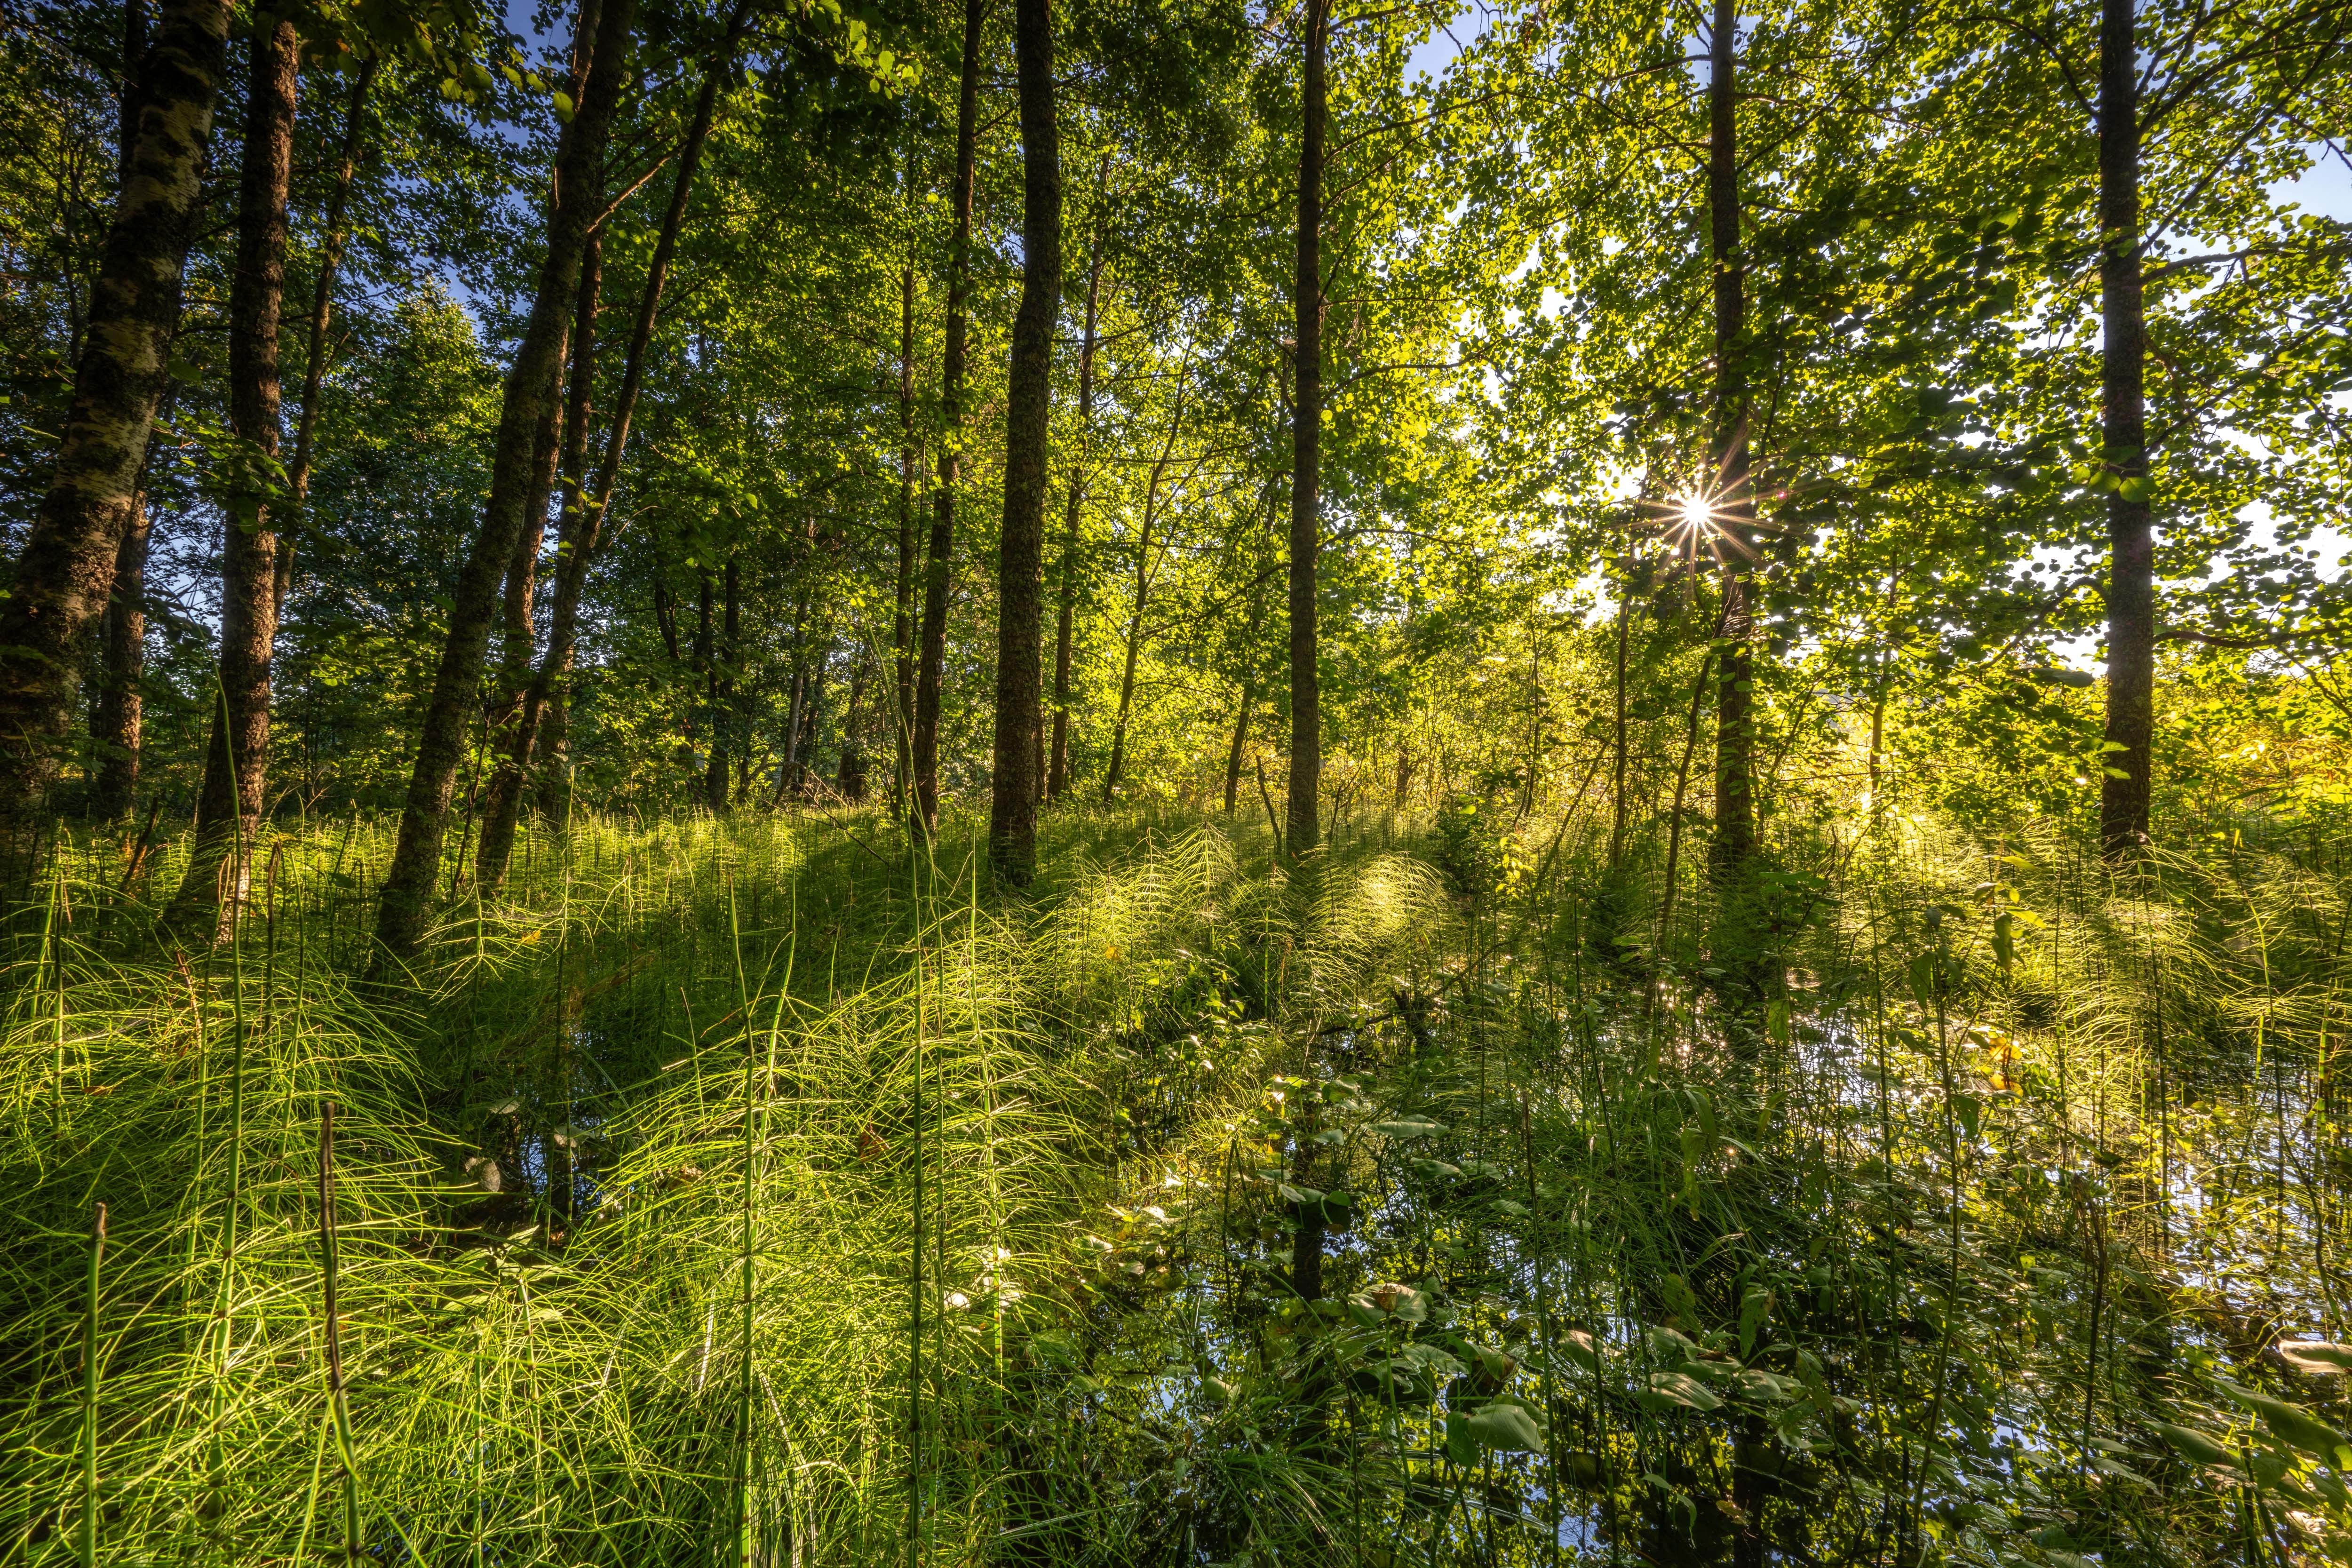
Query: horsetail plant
column 89, row 1539
column 338, row 1405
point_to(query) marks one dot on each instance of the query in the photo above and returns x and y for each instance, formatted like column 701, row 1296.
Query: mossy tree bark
column 237, row 756
column 66, row 568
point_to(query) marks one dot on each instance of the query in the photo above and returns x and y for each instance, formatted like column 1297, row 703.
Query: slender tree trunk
column 705, row 670
column 237, row 759
column 501, row 801
column 932, row 655
column 1240, row 738
column 902, row 628
column 1733, row 502
column 115, row 716
column 530, row 722
column 812, row 714
column 1021, row 551
column 1057, row 765
column 1306, row 443
column 314, row 360
column 722, row 688
column 2131, row 535
column 1618, row 802
column 579, row 527
column 408, row 882
column 66, row 569
column 1135, row 618
column 851, row 778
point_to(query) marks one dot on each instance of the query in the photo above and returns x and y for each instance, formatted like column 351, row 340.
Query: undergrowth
column 770, row 1189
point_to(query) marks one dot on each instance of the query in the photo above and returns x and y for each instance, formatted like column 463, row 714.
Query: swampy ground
column 768, row 1189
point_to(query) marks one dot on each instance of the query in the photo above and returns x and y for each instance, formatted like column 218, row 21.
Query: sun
column 1698, row 513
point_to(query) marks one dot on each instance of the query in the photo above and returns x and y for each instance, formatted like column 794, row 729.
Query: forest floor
column 764, row 1187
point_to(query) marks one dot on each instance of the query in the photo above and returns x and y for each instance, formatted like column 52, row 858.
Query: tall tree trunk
column 534, row 721
column 408, row 881
column 314, row 360
column 2131, row 535
column 115, row 716
column 811, row 715
column 933, row 654
column 1135, row 618
column 1306, row 449
column 579, row 526
column 66, row 568
column 902, row 626
column 116, row 719
column 237, row 758
column 851, row 778
column 1021, row 549
column 501, row 801
column 705, row 669
column 1734, row 503
column 1057, row 765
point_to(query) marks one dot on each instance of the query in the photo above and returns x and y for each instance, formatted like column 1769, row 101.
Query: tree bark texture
column 115, row 723
column 537, row 719
column 1057, row 765
column 408, row 881
column 1021, row 551
column 1302, row 826
column 66, row 569
column 932, row 655
column 236, row 757
column 117, row 718
column 1733, row 501
column 2131, row 533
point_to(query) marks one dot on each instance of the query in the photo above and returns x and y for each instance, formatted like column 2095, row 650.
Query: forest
column 1176, row 784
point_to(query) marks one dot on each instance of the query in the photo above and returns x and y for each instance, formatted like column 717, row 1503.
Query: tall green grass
column 771, row 1190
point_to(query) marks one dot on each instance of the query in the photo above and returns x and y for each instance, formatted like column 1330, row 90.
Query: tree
column 68, row 565
column 531, row 382
column 1013, row 814
column 931, row 652
column 237, row 759
column 1301, row 824
column 1732, row 504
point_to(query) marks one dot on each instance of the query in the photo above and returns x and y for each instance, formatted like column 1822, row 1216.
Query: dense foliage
column 1596, row 812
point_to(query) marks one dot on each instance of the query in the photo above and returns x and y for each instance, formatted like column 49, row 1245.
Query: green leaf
column 1408, row 1127
column 2192, row 1445
column 2291, row 1424
column 1670, row 1390
column 1502, row 1427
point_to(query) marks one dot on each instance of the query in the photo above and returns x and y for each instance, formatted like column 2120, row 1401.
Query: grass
column 759, row 1188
